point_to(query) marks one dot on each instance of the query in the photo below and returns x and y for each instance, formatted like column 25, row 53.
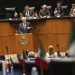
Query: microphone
column 6, row 49
column 9, row 57
column 57, row 46
column 58, row 52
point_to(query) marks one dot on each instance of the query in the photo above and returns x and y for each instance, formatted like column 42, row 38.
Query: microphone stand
column 9, row 65
column 23, row 63
column 7, row 68
column 58, row 52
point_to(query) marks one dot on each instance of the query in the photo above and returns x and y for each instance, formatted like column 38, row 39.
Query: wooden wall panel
column 5, row 45
column 12, row 46
column 8, row 42
column 55, row 39
column 62, row 41
column 1, row 51
column 53, row 26
column 44, row 27
column 51, row 32
column 62, row 26
column 6, row 29
column 44, row 40
column 54, row 31
column 0, row 29
column 41, row 30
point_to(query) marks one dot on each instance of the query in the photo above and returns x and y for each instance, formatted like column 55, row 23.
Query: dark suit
column 44, row 13
column 60, row 11
column 31, row 13
column 27, row 28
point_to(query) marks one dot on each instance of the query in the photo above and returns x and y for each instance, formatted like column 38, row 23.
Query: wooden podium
column 23, row 42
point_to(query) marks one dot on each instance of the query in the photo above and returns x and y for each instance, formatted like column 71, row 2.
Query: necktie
column 24, row 25
column 27, row 13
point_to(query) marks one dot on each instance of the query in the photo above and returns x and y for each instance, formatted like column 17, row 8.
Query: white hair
column 23, row 18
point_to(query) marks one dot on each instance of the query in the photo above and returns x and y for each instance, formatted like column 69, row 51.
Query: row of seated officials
column 46, row 11
column 25, row 26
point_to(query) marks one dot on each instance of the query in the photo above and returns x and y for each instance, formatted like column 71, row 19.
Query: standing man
column 24, row 27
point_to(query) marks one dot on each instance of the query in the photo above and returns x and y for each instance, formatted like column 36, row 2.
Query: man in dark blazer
column 24, row 27
column 59, row 11
column 44, row 12
column 27, row 12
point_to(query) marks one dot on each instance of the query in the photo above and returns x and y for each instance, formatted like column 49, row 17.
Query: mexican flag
column 71, row 46
column 39, row 61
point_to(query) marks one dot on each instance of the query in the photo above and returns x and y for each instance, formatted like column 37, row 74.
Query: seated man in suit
column 59, row 11
column 24, row 27
column 28, row 12
column 44, row 12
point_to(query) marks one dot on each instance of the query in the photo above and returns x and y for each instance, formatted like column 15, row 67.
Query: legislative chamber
column 51, row 31
column 37, row 37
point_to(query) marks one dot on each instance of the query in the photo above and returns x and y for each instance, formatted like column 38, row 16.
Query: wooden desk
column 23, row 42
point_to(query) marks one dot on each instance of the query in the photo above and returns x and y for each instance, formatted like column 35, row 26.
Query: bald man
column 24, row 27
column 44, row 11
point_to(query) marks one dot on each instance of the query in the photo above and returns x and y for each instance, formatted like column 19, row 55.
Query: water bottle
column 34, row 71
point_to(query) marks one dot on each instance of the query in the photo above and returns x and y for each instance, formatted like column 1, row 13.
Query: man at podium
column 24, row 27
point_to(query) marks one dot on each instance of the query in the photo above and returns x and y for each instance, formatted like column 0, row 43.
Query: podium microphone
column 58, row 52
column 6, row 49
column 7, row 54
column 58, row 47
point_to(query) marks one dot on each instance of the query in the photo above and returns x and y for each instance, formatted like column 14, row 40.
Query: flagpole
column 42, row 73
column 24, row 69
column 23, row 64
column 4, row 67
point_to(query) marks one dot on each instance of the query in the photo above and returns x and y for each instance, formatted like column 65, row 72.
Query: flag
column 9, row 67
column 71, row 45
column 41, row 50
column 10, row 63
column 40, row 60
column 41, row 63
column 24, row 55
column 56, row 13
column 16, row 14
column 22, row 62
column 21, row 59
